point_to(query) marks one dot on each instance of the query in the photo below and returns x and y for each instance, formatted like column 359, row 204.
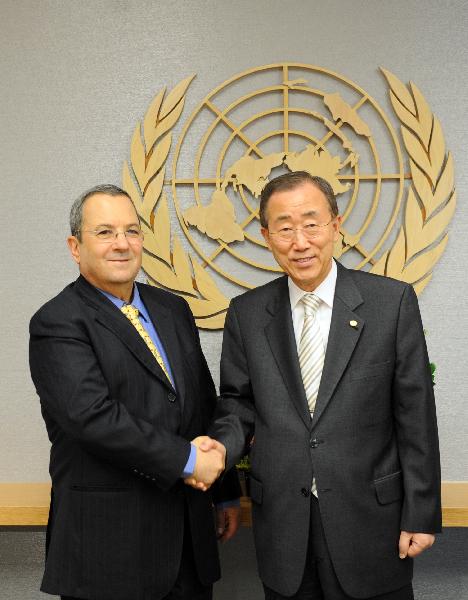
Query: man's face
column 306, row 261
column 111, row 266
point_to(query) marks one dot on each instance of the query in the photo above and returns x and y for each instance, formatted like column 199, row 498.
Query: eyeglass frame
column 113, row 239
column 294, row 230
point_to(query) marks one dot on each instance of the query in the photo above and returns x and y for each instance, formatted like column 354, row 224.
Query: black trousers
column 320, row 581
column 187, row 585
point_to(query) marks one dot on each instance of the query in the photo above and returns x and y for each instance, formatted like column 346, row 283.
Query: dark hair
column 290, row 181
column 76, row 211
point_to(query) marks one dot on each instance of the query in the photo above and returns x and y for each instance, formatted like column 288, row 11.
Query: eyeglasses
column 132, row 234
column 309, row 231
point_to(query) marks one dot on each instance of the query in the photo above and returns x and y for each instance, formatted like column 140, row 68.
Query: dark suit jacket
column 372, row 445
column 120, row 440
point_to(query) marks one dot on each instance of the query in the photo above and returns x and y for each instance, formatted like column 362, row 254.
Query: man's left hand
column 227, row 522
column 412, row 544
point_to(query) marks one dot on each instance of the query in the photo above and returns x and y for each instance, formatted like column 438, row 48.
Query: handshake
column 210, row 463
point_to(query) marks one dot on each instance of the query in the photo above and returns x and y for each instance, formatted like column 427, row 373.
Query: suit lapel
column 111, row 318
column 164, row 323
column 342, row 338
column 280, row 336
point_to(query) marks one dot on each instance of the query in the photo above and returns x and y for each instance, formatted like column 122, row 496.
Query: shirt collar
column 325, row 291
column 136, row 301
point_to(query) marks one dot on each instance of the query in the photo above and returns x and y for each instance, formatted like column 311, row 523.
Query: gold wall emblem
column 263, row 122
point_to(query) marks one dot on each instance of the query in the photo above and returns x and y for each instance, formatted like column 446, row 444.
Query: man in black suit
column 124, row 387
column 327, row 370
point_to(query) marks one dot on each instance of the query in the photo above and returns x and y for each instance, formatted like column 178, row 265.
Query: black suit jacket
column 372, row 444
column 120, row 440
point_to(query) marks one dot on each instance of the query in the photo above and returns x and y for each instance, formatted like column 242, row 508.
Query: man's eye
column 310, row 226
column 285, row 230
column 133, row 232
column 104, row 233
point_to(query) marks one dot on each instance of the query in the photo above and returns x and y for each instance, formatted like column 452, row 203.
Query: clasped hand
column 210, row 463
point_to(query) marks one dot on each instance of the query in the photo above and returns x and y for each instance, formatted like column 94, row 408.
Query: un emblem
column 395, row 192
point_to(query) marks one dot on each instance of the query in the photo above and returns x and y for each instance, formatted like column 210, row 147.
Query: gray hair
column 76, row 211
column 291, row 181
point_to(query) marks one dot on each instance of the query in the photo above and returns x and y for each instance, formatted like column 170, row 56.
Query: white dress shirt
column 326, row 292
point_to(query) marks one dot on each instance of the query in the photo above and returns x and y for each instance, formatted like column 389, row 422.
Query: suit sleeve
column 235, row 413
column 415, row 422
column 75, row 399
column 227, row 487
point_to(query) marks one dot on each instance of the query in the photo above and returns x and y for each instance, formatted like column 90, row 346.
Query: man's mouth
column 304, row 260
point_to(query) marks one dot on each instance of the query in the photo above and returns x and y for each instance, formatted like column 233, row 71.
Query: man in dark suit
column 327, row 370
column 124, row 387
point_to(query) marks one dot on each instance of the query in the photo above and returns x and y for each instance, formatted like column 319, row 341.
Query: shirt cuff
column 190, row 466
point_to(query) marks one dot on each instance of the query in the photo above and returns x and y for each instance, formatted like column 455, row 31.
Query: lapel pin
column 353, row 324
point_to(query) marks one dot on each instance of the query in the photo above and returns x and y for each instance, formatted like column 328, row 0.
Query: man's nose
column 300, row 240
column 120, row 240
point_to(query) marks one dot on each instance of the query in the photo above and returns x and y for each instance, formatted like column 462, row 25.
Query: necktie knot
column 130, row 311
column 311, row 303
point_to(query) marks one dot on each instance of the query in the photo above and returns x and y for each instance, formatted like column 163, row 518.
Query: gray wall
column 77, row 76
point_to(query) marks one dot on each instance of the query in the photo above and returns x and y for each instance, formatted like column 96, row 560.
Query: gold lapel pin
column 353, row 323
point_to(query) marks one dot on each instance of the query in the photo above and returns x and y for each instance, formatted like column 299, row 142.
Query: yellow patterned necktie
column 132, row 315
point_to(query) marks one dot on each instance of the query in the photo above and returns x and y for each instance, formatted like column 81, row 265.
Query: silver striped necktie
column 311, row 351
column 311, row 356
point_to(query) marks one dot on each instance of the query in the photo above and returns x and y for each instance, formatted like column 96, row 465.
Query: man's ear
column 336, row 227
column 266, row 236
column 74, row 247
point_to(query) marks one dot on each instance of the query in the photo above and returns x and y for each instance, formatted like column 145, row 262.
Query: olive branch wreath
column 431, row 197
column 165, row 261
column 420, row 242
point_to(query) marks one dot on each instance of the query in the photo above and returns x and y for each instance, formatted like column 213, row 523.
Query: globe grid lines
column 222, row 116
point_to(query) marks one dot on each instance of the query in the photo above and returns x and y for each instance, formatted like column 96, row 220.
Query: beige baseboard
column 27, row 504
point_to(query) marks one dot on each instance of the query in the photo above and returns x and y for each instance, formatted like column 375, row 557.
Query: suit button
column 305, row 492
column 171, row 397
column 314, row 443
